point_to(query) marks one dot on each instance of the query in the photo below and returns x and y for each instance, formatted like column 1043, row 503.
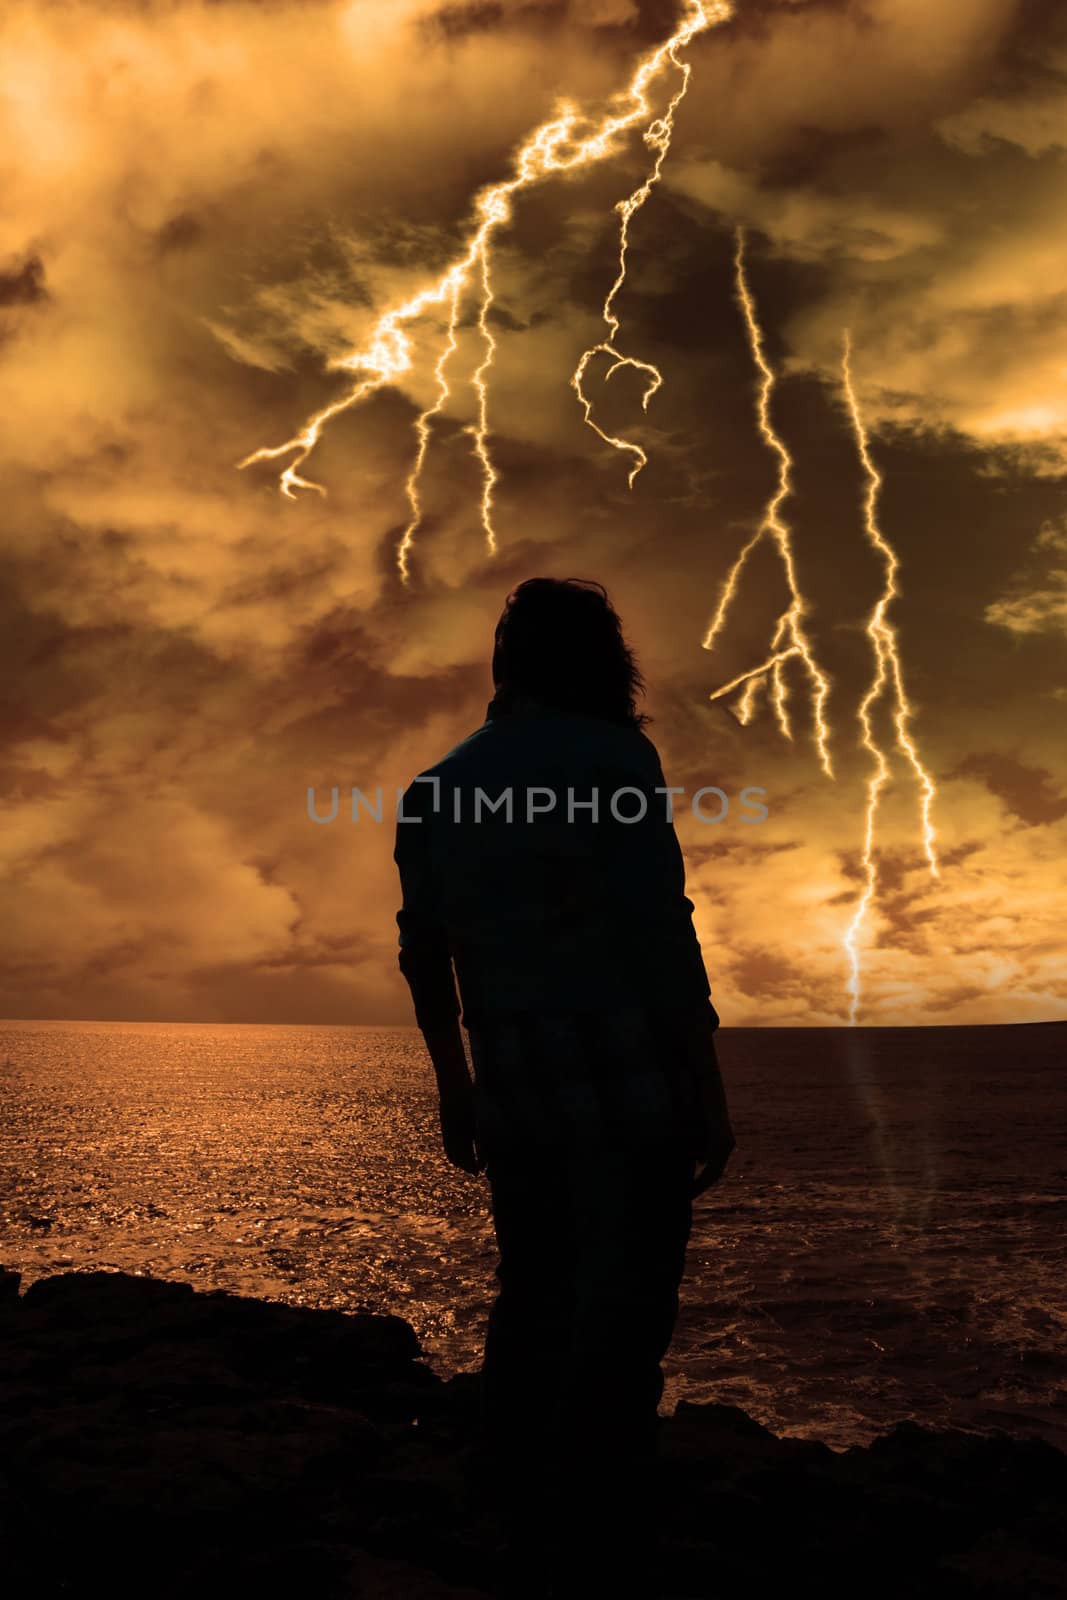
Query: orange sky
column 205, row 204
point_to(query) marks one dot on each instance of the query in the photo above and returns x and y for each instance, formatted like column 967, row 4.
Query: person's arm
column 717, row 1142
column 690, row 988
column 426, row 962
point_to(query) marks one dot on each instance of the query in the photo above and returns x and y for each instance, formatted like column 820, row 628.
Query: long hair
column 560, row 641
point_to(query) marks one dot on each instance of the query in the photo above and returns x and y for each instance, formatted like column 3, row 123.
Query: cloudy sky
column 208, row 205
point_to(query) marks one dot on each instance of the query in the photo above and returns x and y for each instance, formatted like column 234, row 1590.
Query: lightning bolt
column 888, row 677
column 790, row 640
column 481, row 385
column 422, row 433
column 746, row 705
column 658, row 137
column 563, row 144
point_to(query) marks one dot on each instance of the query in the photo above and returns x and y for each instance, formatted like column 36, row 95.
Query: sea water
column 888, row 1242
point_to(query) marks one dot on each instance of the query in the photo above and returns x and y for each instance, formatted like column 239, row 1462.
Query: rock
column 156, row 1440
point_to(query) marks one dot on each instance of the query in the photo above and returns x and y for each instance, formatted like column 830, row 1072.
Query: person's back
column 539, row 863
column 557, row 870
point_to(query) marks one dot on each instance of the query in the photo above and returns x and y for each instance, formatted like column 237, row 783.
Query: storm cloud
column 206, row 204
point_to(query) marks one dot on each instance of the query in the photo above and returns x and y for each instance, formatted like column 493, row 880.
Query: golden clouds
column 205, row 203
column 917, row 154
column 1036, row 599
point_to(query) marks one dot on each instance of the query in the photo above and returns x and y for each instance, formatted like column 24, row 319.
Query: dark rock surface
column 160, row 1442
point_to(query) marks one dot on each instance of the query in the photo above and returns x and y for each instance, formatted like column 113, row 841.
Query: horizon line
column 737, row 1027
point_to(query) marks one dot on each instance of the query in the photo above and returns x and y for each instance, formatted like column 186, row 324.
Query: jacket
column 540, row 872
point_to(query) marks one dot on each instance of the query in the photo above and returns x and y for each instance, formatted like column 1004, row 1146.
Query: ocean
column 888, row 1243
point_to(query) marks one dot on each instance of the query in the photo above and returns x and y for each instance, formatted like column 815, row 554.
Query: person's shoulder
column 420, row 800
column 453, row 761
column 633, row 746
column 646, row 746
column 606, row 751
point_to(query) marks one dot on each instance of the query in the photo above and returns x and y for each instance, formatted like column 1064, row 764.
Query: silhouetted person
column 596, row 1107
